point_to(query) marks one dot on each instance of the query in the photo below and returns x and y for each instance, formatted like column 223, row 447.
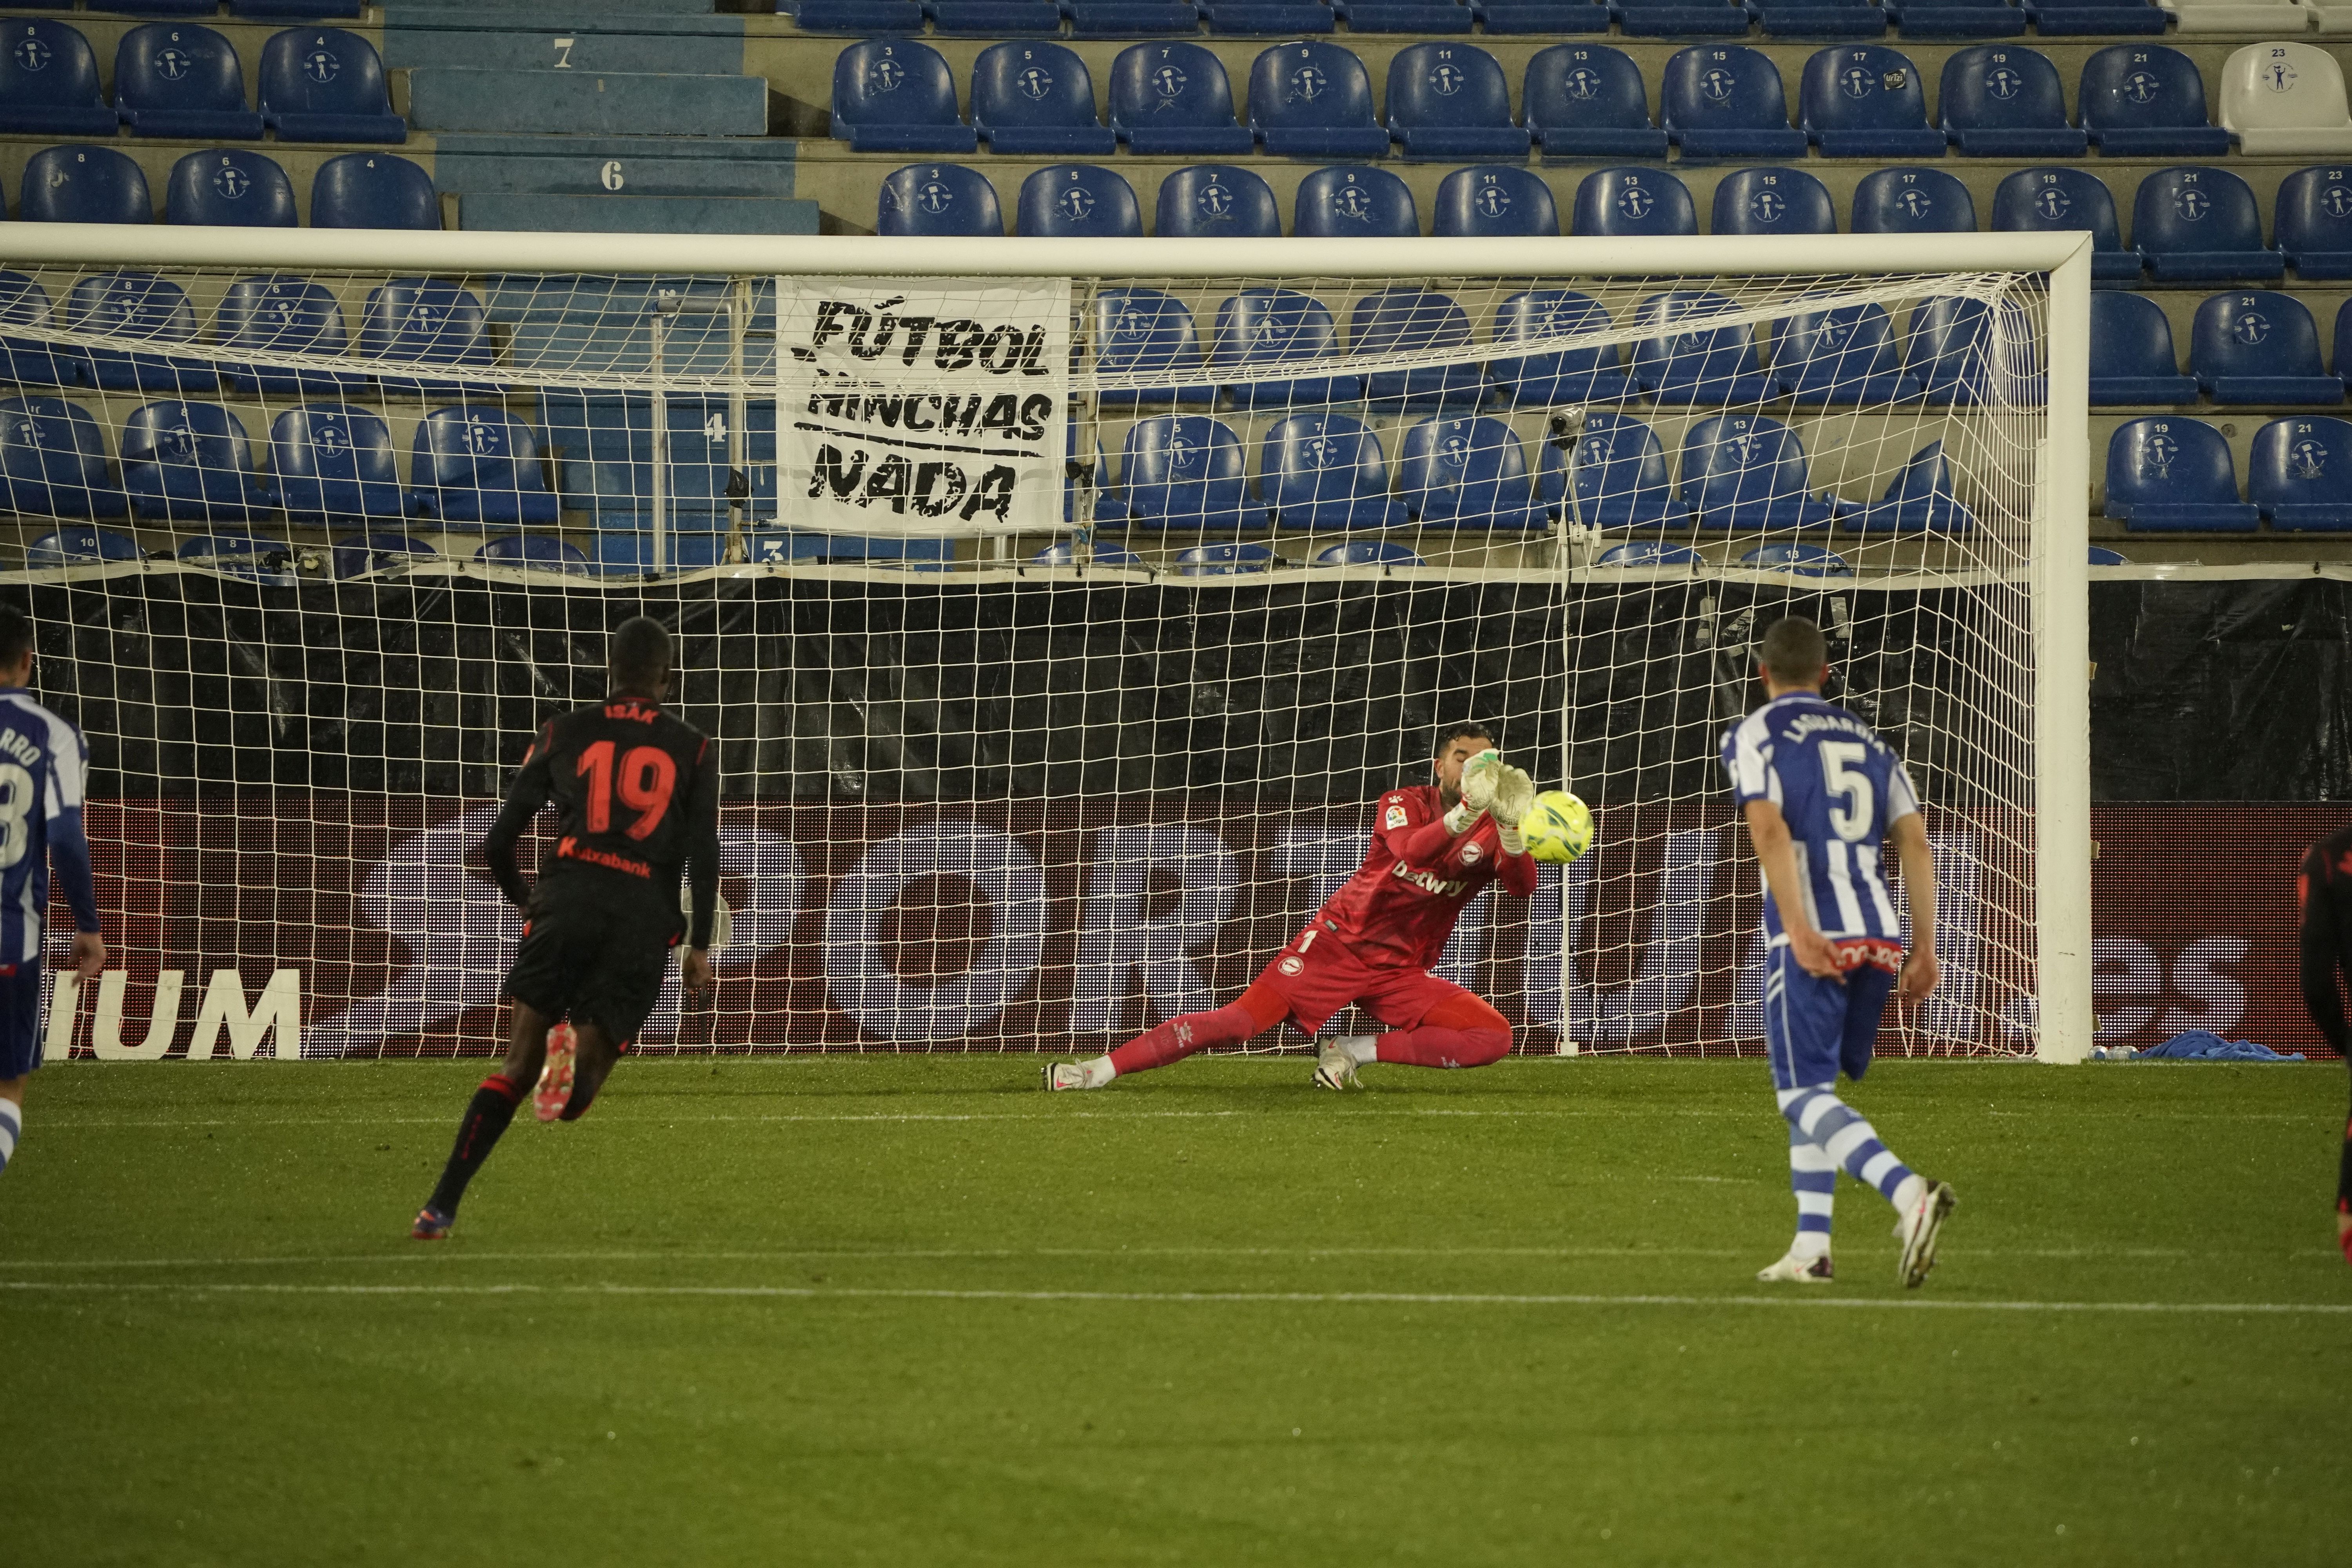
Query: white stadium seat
column 2285, row 97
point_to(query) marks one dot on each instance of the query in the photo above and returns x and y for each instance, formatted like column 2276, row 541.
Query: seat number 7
column 646, row 778
column 1851, row 821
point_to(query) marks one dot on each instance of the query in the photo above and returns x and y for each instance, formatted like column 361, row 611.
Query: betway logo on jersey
column 1428, row 882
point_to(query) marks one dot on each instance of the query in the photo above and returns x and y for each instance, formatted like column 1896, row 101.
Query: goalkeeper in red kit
column 1434, row 847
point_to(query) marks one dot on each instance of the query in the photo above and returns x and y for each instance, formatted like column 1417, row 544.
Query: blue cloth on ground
column 2205, row 1046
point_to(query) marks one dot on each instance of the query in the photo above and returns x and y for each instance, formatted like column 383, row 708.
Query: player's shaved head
column 639, row 659
column 1794, row 652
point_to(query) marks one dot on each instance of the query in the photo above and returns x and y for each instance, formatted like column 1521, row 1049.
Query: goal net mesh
column 1059, row 635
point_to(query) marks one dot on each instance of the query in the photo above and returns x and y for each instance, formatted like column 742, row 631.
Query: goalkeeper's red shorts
column 1317, row 974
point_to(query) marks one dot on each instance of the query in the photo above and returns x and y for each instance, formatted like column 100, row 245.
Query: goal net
column 1060, row 628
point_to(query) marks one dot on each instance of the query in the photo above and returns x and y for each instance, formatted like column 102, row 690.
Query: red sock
column 1459, row 1032
column 1255, row 1012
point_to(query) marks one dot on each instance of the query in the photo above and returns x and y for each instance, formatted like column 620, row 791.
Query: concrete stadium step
column 542, row 212
column 622, row 103
column 688, row 46
column 599, row 166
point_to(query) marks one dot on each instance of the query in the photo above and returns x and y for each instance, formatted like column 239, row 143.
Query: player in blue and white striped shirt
column 1823, row 797
column 43, row 760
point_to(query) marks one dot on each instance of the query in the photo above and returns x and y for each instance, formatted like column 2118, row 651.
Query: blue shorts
column 1814, row 1028
column 20, row 1019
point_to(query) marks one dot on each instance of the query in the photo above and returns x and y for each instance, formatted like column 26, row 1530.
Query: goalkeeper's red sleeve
column 1518, row 874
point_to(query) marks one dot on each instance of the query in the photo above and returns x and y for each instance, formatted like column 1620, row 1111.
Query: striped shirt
column 44, row 761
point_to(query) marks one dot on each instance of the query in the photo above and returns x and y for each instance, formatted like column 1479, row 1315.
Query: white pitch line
column 1211, row 1298
column 443, row 1258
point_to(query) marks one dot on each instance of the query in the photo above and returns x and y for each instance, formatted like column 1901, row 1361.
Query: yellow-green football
column 1558, row 829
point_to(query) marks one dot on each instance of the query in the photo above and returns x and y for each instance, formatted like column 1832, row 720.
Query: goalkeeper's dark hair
column 16, row 634
column 639, row 660
column 1467, row 730
column 1794, row 652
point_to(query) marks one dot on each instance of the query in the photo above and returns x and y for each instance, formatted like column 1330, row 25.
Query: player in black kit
column 636, row 799
column 2324, row 887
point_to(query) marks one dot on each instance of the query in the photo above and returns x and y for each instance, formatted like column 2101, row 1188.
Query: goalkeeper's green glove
column 1515, row 797
column 1478, row 778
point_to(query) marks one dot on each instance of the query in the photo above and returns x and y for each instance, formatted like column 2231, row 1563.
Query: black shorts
column 596, row 953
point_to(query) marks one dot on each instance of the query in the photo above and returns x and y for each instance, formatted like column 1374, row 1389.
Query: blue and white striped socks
column 1826, row 1135
column 11, row 1125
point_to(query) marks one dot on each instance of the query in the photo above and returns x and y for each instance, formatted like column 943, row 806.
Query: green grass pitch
column 910, row 1310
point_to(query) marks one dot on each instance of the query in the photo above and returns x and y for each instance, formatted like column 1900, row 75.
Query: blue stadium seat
column 84, row 184
column 1175, row 97
column 1841, row 356
column 2200, row 224
column 1632, row 202
column 1957, row 18
column 1421, row 17
column 1145, row 331
column 1944, row 350
column 49, row 82
column 1860, row 101
column 1106, row 554
column 1407, row 320
column 1620, row 477
column 2145, row 100
column 1501, row 17
column 158, row 7
column 357, row 554
column 477, row 464
column 285, row 316
column 631, row 551
column 1919, row 500
column 31, row 362
column 425, row 323
column 2100, row 555
column 230, row 186
column 1313, row 99
column 1591, row 374
column 1726, row 100
column 938, row 199
column 189, row 462
column 2004, row 100
column 993, row 18
column 895, row 95
column 1467, row 472
column 1079, row 201
column 1326, row 471
column 1692, row 363
column 534, row 552
column 2080, row 18
column 1036, row 97
column 1261, row 329
column 1649, row 552
column 80, row 547
column 1680, row 18
column 175, row 79
column 1747, row 471
column 1218, row 201
column 1385, row 553
column 333, row 464
column 2299, row 475
column 2132, row 357
column 1452, row 101
column 1260, row 19
column 1823, row 18
column 1349, row 203
column 1224, row 560
column 1185, row 470
column 1588, row 101
column 2312, row 222
column 283, row 10
column 270, row 562
column 140, row 306
column 53, row 464
column 2341, row 356
column 372, row 190
column 1495, row 200
column 2170, row 475
column 1798, row 560
column 2041, row 200
column 2259, row 347
column 1912, row 201
column 323, row 84
column 1773, row 200
column 1128, row 18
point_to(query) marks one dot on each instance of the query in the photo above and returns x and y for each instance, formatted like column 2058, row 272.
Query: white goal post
column 2017, row 452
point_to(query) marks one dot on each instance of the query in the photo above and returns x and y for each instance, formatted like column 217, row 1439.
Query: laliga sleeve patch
column 1396, row 816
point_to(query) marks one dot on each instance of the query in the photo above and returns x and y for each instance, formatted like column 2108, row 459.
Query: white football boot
column 1335, row 1068
column 1814, row 1270
column 1920, row 1226
column 1066, row 1075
